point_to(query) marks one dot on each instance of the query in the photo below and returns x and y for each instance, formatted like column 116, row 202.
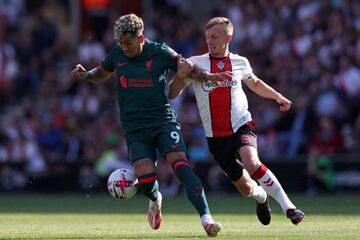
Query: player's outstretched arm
column 188, row 68
column 202, row 75
column 177, row 84
column 95, row 75
column 262, row 89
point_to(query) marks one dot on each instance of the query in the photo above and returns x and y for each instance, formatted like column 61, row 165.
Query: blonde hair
column 128, row 24
column 223, row 21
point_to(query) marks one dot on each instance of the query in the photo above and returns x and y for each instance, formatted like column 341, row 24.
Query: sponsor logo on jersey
column 140, row 83
column 210, row 86
column 135, row 83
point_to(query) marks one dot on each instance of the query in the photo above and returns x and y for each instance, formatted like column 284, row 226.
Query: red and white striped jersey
column 224, row 108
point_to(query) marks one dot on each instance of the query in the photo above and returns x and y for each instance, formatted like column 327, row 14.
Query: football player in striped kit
column 229, row 127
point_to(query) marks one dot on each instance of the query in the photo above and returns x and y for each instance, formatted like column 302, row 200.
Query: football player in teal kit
column 149, row 121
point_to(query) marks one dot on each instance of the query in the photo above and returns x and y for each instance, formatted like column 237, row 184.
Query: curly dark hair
column 128, row 24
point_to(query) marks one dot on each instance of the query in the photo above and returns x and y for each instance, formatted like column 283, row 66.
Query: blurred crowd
column 309, row 50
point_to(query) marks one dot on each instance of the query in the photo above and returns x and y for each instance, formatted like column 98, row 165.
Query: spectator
column 326, row 141
column 110, row 159
column 309, row 50
column 90, row 50
column 8, row 67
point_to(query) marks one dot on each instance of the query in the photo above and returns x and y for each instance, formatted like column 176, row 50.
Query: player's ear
column 141, row 38
column 229, row 38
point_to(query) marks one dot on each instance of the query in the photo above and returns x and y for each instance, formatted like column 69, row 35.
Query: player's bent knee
column 235, row 177
column 252, row 165
column 250, row 159
column 234, row 171
column 144, row 166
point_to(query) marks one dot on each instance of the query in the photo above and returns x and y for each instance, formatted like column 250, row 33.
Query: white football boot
column 154, row 213
column 212, row 229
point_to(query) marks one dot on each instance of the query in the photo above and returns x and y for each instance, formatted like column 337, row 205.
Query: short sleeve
column 188, row 80
column 247, row 70
column 170, row 57
column 108, row 62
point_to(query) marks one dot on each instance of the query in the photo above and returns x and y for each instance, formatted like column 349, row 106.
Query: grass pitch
column 82, row 216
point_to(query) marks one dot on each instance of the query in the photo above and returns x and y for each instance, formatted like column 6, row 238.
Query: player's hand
column 184, row 67
column 284, row 103
column 78, row 72
column 219, row 77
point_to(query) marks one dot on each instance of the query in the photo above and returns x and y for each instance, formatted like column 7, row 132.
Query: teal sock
column 149, row 186
column 192, row 184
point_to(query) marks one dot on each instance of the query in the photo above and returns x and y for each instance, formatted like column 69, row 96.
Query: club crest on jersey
column 220, row 65
column 148, row 65
column 123, row 82
column 210, row 86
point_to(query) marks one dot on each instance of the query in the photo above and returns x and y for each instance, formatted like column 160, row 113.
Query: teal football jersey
column 141, row 84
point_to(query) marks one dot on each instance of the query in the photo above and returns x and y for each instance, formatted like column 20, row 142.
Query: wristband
column 88, row 75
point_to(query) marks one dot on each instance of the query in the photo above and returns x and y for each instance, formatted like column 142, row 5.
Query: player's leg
column 148, row 184
column 142, row 154
column 194, row 190
column 246, row 139
column 249, row 188
column 265, row 177
column 273, row 187
column 171, row 144
column 223, row 150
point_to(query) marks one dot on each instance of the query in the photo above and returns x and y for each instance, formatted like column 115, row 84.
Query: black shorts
column 225, row 149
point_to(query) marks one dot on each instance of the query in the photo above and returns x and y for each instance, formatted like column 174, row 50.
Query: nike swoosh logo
column 122, row 64
column 175, row 145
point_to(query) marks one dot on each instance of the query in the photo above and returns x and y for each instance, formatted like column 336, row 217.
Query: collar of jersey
column 219, row 58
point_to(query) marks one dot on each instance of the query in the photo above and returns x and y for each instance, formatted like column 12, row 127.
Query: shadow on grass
column 118, row 237
column 221, row 204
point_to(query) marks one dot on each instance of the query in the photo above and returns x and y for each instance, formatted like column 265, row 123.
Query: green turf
column 36, row 216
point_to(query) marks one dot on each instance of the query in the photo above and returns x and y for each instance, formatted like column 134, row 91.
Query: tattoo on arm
column 93, row 73
column 97, row 75
column 199, row 74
